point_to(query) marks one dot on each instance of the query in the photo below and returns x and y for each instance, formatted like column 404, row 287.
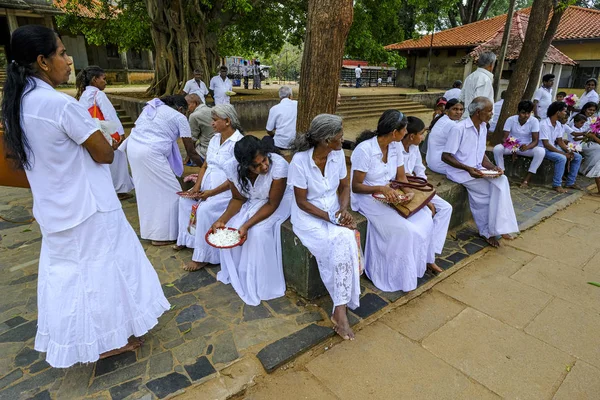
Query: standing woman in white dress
column 261, row 201
column 96, row 288
column 212, row 185
column 397, row 247
column 155, row 164
column 438, row 135
column 320, row 218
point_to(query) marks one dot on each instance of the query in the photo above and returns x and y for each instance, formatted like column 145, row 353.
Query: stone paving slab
column 582, row 383
column 295, row 385
column 395, row 368
column 503, row 359
column 208, row 329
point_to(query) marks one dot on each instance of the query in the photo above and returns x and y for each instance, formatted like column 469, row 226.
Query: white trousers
column 537, row 153
column 491, row 206
column 441, row 222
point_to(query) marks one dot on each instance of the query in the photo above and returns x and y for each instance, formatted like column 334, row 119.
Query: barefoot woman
column 96, row 288
column 320, row 217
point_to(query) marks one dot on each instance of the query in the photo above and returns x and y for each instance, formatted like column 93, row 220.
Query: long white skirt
column 441, row 222
column 184, row 238
column 207, row 214
column 156, row 192
column 335, row 249
column 590, row 166
column 397, row 248
column 119, row 171
column 96, row 288
column 491, row 206
column 255, row 269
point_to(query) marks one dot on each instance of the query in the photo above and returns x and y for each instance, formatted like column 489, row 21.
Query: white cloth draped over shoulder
column 119, row 169
column 436, row 141
column 96, row 287
column 413, row 165
column 396, row 249
column 489, row 199
column 217, row 157
column 333, row 246
column 155, row 160
column 255, row 269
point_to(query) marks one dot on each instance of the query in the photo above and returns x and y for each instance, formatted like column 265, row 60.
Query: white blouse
column 87, row 100
column 68, row 186
column 413, row 163
column 322, row 189
column 217, row 157
column 161, row 131
column 368, row 157
column 436, row 141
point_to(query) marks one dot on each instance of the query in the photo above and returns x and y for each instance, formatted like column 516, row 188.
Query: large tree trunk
column 540, row 10
column 503, row 47
column 558, row 11
column 327, row 27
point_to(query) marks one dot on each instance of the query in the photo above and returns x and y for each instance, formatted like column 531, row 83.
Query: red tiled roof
column 576, row 23
column 515, row 43
column 94, row 12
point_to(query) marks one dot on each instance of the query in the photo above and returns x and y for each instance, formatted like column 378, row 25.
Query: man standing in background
column 480, row 82
column 357, row 73
column 196, row 86
column 542, row 97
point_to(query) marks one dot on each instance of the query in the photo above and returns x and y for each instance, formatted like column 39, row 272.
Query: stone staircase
column 2, row 77
column 370, row 106
column 125, row 119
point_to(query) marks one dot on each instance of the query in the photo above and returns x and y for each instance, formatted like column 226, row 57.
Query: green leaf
column 188, row 330
column 594, row 283
column 26, row 230
column 170, row 285
column 173, row 306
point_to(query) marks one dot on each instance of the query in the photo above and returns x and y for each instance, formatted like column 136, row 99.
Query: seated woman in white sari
column 261, row 201
column 590, row 166
column 438, row 135
column 397, row 247
column 155, row 162
column 91, row 82
column 320, row 217
column 413, row 165
column 212, row 185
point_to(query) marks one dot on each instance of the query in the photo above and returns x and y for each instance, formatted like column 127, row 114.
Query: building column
column 48, row 21
column 468, row 69
column 123, row 56
column 12, row 20
column 556, row 81
column 150, row 59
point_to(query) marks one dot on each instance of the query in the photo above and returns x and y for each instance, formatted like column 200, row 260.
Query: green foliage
column 124, row 23
column 285, row 65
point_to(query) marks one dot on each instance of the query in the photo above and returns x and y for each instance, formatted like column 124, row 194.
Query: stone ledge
column 517, row 169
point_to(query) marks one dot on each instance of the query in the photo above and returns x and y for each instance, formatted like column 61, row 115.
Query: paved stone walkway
column 207, row 329
column 520, row 322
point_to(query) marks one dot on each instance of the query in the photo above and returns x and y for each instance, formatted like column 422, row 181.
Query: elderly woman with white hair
column 489, row 198
column 480, row 82
column 281, row 124
column 319, row 214
column 212, row 185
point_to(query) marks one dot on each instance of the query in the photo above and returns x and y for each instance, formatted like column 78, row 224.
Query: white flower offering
column 224, row 238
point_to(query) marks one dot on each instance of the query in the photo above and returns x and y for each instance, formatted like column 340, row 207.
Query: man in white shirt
column 526, row 129
column 245, row 69
column 489, row 198
column 480, row 82
column 551, row 140
column 357, row 73
column 542, row 97
column 281, row 124
column 219, row 86
column 454, row 93
column 497, row 109
column 256, row 75
column 196, row 86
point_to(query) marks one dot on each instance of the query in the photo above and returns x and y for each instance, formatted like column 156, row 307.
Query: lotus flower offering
column 571, row 100
column 223, row 238
column 512, row 143
column 595, row 125
column 573, row 147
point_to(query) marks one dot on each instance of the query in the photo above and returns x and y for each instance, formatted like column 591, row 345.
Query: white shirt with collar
column 68, row 186
column 367, row 157
column 522, row 132
column 91, row 94
column 357, row 72
column 219, row 87
column 549, row 132
column 413, row 163
column 453, row 93
column 193, row 87
column 479, row 83
column 544, row 98
column 321, row 189
column 282, row 120
column 467, row 145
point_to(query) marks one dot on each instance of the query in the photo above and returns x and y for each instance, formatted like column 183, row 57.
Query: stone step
column 377, row 113
column 377, row 106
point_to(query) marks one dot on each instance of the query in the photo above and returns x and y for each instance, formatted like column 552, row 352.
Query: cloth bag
column 9, row 174
column 423, row 193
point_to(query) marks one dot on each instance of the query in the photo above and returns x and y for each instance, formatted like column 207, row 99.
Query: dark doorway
column 4, row 38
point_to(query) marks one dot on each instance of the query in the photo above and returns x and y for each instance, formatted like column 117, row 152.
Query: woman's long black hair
column 26, row 44
column 84, row 78
column 245, row 151
column 389, row 121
